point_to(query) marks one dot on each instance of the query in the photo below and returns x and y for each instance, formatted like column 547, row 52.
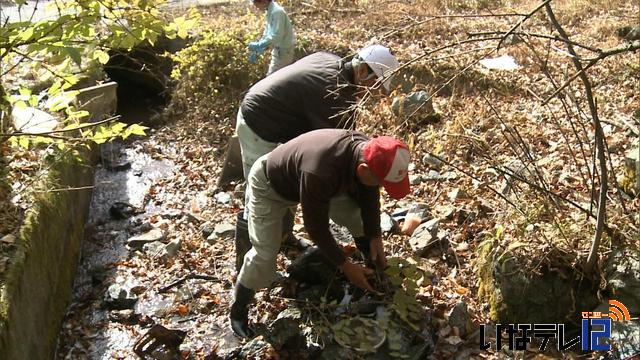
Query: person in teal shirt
column 278, row 34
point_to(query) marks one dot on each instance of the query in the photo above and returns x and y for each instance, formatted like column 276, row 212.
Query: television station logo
column 595, row 331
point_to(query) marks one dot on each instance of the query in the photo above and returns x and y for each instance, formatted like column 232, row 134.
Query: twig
column 599, row 138
column 517, row 25
column 188, row 277
column 536, row 35
column 581, row 70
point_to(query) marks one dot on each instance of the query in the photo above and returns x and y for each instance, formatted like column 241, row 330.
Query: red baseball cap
column 389, row 159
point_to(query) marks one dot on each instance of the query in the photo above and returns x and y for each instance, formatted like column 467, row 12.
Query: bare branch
column 599, row 138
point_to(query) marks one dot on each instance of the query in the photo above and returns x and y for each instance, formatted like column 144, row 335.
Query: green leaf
column 101, row 56
column 26, row 34
column 75, row 55
column 23, row 141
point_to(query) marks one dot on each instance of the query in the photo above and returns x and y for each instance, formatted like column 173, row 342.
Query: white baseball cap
column 381, row 61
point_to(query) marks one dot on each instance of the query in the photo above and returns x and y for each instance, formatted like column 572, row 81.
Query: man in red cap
column 331, row 173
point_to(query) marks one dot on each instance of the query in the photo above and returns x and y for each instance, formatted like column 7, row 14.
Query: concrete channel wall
column 37, row 290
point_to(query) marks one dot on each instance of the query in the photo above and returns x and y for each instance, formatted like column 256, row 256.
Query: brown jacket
column 317, row 166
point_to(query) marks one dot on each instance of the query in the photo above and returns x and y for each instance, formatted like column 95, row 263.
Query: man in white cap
column 318, row 91
column 315, row 92
column 333, row 174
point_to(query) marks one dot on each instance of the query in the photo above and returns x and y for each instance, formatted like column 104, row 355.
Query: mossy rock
column 515, row 295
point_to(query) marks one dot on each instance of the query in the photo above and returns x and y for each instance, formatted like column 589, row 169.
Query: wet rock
column 222, row 231
column 138, row 241
column 432, row 161
column 97, row 273
column 207, row 228
column 312, row 267
column 285, row 330
column 254, row 348
column 424, row 237
column 115, row 165
column 119, row 298
column 129, row 317
column 459, row 317
column 122, row 210
column 223, row 198
column 387, row 223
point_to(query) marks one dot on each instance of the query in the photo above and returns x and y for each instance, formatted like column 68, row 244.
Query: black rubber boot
column 239, row 314
column 243, row 243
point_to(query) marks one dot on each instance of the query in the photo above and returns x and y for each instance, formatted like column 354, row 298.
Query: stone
column 415, row 179
column 457, row 194
column 223, row 198
column 154, row 249
column 417, row 103
column 172, row 248
column 119, row 298
column 171, row 214
column 459, row 317
column 254, row 349
column 222, row 231
column 622, row 270
column 117, row 165
column 446, row 211
column 122, row 210
column 424, row 237
column 433, row 175
column 387, row 223
column 138, row 241
column 432, row 161
column 206, row 229
column 284, row 331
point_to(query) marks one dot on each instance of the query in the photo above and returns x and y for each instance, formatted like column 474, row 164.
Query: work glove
column 253, row 57
column 258, row 46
